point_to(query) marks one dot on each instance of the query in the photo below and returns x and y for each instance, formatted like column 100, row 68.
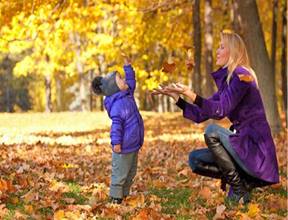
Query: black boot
column 202, row 162
column 227, row 166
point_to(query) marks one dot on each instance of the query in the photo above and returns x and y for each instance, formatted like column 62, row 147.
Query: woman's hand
column 163, row 91
column 181, row 89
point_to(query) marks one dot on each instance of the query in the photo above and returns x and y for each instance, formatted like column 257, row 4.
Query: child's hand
column 117, row 148
column 127, row 59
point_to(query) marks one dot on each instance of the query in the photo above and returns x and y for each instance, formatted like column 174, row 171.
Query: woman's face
column 222, row 54
column 121, row 83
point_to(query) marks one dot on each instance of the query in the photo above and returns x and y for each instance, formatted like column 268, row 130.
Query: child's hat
column 109, row 85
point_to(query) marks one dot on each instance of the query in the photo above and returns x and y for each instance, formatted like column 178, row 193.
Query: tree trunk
column 48, row 106
column 284, row 59
column 80, row 70
column 208, row 48
column 196, row 77
column 91, row 76
column 257, row 50
column 58, row 94
column 274, row 34
column 235, row 17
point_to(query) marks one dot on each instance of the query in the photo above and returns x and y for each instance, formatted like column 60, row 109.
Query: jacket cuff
column 198, row 101
column 181, row 103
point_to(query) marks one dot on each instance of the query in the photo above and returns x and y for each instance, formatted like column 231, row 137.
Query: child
column 127, row 129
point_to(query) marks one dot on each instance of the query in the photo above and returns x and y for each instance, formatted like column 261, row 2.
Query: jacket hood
column 109, row 100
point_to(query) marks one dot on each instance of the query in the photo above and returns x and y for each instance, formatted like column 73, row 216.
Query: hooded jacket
column 127, row 127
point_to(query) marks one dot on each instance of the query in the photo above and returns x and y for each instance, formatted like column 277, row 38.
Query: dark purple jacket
column 241, row 102
column 127, row 127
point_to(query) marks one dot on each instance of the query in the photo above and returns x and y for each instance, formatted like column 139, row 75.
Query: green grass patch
column 9, row 215
column 79, row 199
column 281, row 192
column 46, row 211
column 173, row 199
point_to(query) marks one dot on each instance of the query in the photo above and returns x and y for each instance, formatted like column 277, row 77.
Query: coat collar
column 220, row 76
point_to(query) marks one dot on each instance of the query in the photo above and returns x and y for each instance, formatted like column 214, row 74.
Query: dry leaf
column 168, row 67
column 253, row 210
column 59, row 215
column 205, row 193
column 219, row 212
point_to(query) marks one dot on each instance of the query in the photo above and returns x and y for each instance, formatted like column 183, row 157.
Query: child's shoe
column 115, row 200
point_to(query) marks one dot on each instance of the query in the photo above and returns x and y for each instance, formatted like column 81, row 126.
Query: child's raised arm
column 130, row 77
column 129, row 73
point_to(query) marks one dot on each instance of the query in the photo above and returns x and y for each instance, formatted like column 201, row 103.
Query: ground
column 57, row 166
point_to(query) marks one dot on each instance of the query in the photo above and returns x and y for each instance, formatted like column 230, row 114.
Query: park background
column 55, row 147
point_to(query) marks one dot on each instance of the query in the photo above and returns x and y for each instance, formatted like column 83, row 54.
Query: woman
column 244, row 156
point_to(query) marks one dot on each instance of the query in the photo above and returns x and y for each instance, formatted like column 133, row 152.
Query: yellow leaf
column 253, row 210
column 14, row 200
column 28, row 209
column 59, row 215
column 136, row 201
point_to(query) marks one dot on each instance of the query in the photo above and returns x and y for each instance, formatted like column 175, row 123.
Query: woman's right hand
column 179, row 88
column 163, row 91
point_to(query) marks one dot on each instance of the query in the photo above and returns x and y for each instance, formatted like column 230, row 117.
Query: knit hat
column 109, row 85
column 105, row 85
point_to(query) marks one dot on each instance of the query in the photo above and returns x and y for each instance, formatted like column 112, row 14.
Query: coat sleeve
column 193, row 111
column 190, row 111
column 130, row 77
column 117, row 127
column 228, row 99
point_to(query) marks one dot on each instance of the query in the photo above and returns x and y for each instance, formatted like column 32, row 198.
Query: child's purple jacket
column 127, row 127
column 241, row 102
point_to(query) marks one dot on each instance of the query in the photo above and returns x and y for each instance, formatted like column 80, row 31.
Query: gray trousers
column 124, row 169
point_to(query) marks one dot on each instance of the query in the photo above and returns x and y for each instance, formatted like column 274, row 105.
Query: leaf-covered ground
column 57, row 166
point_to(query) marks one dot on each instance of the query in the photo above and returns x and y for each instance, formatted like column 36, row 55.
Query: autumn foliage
column 58, row 166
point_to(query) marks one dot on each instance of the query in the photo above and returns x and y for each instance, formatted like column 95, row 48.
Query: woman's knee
column 211, row 130
column 193, row 160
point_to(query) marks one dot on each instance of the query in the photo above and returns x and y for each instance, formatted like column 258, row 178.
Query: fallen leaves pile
column 62, row 171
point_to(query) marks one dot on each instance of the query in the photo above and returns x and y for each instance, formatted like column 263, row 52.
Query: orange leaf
column 3, row 185
column 147, row 214
column 168, row 67
column 29, row 209
column 205, row 193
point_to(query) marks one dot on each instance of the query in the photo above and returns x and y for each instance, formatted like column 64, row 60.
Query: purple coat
column 127, row 127
column 241, row 102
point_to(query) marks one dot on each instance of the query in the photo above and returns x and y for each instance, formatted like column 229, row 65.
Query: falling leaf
column 168, row 67
column 190, row 60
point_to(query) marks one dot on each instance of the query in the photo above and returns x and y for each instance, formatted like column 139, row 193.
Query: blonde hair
column 238, row 54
